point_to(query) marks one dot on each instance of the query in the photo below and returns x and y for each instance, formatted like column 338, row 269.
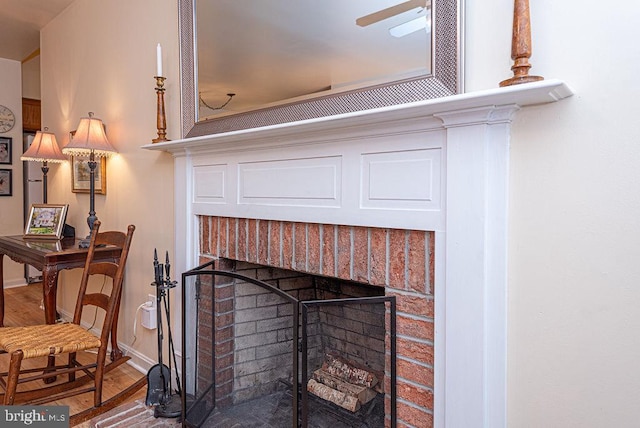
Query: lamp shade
column 44, row 148
column 89, row 137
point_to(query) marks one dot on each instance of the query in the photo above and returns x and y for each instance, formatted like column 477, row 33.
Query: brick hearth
column 401, row 261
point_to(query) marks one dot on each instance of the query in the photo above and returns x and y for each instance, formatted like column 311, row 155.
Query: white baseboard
column 13, row 283
column 138, row 361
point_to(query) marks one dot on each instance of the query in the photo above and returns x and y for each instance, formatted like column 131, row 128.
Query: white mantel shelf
column 542, row 92
column 438, row 165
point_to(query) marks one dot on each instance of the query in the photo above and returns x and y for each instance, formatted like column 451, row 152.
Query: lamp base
column 85, row 242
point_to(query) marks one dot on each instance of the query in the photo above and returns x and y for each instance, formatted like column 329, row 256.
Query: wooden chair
column 50, row 340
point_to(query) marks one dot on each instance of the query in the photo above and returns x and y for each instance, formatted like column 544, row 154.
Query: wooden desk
column 51, row 257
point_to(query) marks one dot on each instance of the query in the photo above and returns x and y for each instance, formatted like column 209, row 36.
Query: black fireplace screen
column 240, row 366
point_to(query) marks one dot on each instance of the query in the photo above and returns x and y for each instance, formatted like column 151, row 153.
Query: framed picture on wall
column 5, row 151
column 80, row 175
column 6, row 182
column 46, row 221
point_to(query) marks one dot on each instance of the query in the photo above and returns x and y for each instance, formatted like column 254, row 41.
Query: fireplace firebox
column 239, row 335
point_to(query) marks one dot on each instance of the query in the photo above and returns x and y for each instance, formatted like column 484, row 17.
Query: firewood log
column 339, row 398
column 340, row 368
column 362, row 393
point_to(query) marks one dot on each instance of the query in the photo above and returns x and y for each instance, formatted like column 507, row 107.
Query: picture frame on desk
column 80, row 175
column 5, row 150
column 47, row 245
column 46, row 221
column 6, row 182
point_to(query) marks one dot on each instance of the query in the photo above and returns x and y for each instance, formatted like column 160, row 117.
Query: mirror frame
column 445, row 80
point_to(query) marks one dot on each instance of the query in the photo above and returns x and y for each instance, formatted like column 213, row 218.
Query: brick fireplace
column 400, row 262
column 412, row 198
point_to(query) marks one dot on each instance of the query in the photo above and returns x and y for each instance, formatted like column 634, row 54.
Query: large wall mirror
column 248, row 63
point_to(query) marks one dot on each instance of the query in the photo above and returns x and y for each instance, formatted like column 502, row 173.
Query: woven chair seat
column 48, row 339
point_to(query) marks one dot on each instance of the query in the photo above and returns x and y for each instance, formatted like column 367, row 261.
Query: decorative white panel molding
column 209, row 183
column 307, row 182
column 439, row 165
column 406, row 180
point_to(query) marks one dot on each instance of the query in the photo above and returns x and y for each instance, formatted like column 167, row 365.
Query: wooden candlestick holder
column 521, row 45
column 161, row 118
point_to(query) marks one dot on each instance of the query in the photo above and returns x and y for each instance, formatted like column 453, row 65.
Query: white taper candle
column 159, row 65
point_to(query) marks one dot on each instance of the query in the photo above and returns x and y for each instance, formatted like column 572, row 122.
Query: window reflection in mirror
column 268, row 51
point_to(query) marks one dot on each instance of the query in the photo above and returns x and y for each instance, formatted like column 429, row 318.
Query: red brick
column 397, row 258
column 215, row 238
column 300, row 257
column 360, row 254
column 224, row 320
column 205, row 362
column 224, row 333
column 422, row 397
column 414, row 417
column 205, row 372
column 224, row 306
column 416, row 264
column 223, row 237
column 418, row 328
column 328, row 250
column 241, row 253
column 413, row 304
column 204, row 259
column 344, row 252
column 252, row 241
column 275, row 243
column 224, row 361
column 233, row 239
column 224, row 347
column 418, row 351
column 223, row 292
column 263, row 242
column 313, row 248
column 223, row 390
column 414, row 372
column 224, row 375
column 378, row 256
column 287, row 245
column 205, row 233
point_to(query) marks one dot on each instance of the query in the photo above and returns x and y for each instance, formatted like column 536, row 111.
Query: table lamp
column 44, row 148
column 90, row 139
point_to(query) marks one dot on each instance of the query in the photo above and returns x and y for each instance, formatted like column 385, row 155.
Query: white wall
column 574, row 225
column 11, row 210
column 101, row 57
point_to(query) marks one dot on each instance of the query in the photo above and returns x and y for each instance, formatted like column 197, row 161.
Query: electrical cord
column 135, row 320
column 95, row 313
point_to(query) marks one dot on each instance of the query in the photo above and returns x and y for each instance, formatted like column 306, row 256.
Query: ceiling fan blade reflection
column 412, row 26
column 397, row 9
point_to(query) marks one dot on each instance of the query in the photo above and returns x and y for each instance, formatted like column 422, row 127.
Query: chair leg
column 99, row 375
column 12, row 377
column 72, row 358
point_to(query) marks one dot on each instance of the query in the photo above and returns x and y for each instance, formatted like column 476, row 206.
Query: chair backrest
column 114, row 268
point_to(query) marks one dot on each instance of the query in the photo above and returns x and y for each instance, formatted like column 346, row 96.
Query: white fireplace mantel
column 438, row 165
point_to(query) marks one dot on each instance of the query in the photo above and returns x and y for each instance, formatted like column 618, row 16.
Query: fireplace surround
column 436, row 169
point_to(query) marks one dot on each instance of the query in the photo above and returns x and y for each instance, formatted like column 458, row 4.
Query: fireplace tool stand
column 159, row 392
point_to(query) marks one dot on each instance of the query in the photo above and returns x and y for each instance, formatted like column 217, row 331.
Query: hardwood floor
column 23, row 307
